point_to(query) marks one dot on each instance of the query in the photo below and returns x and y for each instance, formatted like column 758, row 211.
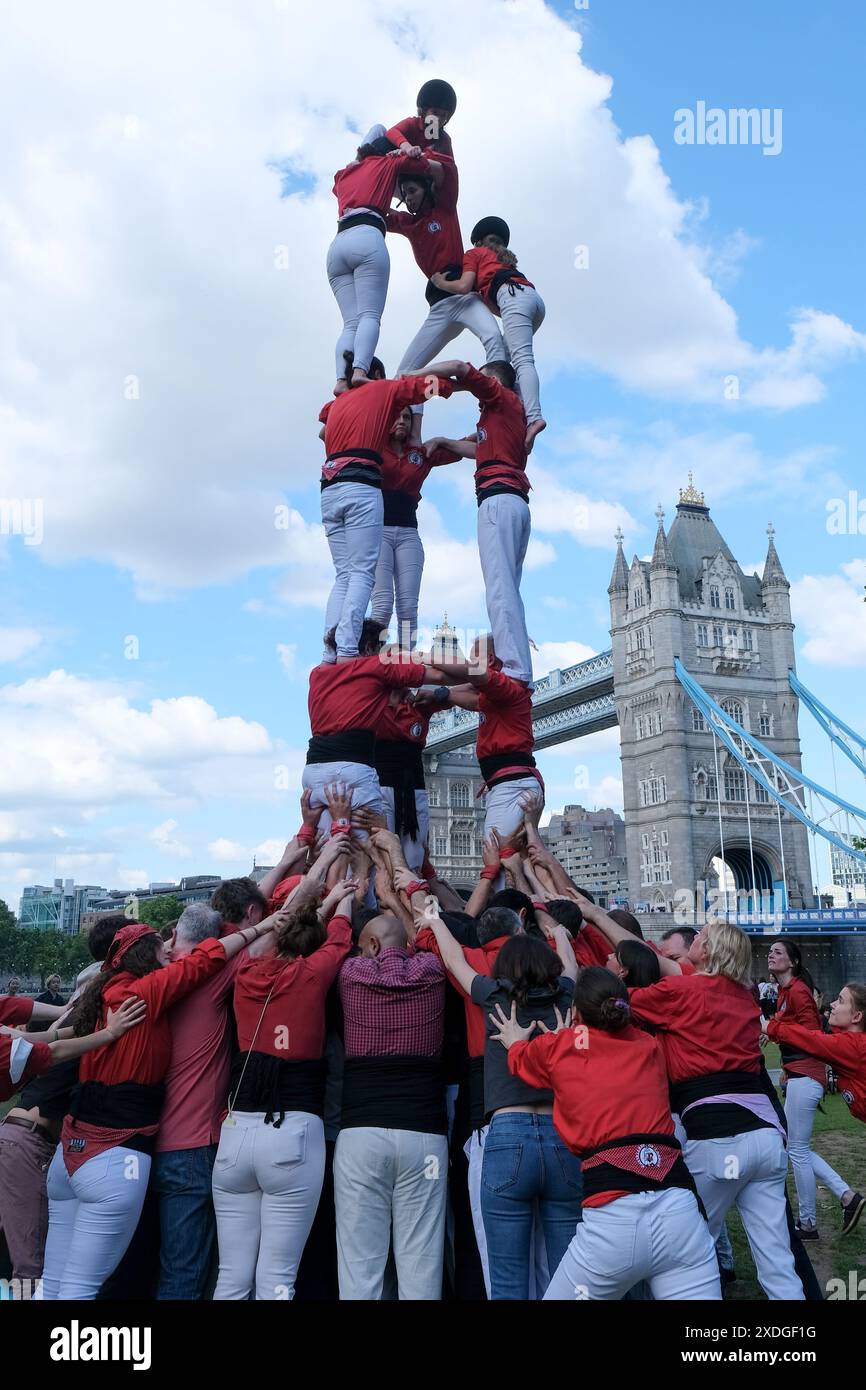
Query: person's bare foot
column 534, row 430
column 359, row 377
column 341, row 386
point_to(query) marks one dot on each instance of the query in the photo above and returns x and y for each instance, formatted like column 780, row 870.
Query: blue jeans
column 525, row 1162
column 182, row 1181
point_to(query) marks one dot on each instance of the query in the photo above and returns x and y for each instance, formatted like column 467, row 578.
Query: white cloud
column 162, row 440
column 287, row 653
column 16, row 642
column 556, row 656
column 830, row 612
column 162, row 837
column 228, row 852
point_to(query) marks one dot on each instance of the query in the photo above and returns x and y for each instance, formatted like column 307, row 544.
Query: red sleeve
column 15, row 1010
column 325, row 411
column 658, row 1004
column 165, row 987
column 326, row 961
column 845, row 1049
column 39, row 1061
column 441, row 456
column 484, row 388
column 802, row 1008
column 414, row 390
column 399, row 221
column 425, row 940
column 531, row 1060
column 401, row 674
column 686, row 967
column 501, row 689
column 400, row 132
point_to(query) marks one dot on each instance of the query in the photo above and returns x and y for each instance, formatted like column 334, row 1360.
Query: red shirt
column 408, row 472
column 482, row 960
column 794, row 1004
column 706, row 1023
column 434, row 234
column 846, row 1053
column 370, row 182
column 504, row 716
column 414, row 130
column 500, row 454
column 143, row 1054
column 404, row 723
column 486, row 265
column 353, row 694
column 591, row 946
column 605, row 1086
column 20, row 1061
column 363, row 417
column 197, row 1080
column 293, row 1025
column 15, row 1009
column 393, row 1004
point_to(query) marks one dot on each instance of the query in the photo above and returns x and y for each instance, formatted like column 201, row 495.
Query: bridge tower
column 734, row 633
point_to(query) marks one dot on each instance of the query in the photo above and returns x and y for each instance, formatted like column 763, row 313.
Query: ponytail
column 601, row 999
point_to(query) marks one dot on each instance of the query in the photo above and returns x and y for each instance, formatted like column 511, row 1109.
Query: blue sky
column 143, row 215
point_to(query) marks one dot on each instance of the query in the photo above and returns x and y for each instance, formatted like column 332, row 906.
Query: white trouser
column 446, row 321
column 503, row 535
column 266, row 1187
column 398, row 579
column 522, row 315
column 802, row 1096
column 503, row 811
column 92, row 1217
column 539, row 1270
column 352, row 517
column 358, row 271
column 657, row 1236
column 363, row 781
column 748, row 1171
column 414, row 847
column 390, row 1187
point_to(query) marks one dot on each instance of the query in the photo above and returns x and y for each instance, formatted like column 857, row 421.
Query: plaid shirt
column 393, row 1004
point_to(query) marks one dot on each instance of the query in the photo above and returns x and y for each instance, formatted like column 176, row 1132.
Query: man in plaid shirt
column 391, row 1161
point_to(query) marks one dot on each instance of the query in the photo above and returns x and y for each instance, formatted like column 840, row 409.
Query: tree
column 158, row 912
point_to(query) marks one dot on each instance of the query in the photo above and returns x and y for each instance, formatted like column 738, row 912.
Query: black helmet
column 439, row 94
column 490, row 226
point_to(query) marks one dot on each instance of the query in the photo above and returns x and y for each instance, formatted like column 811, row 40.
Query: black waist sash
column 126, row 1105
column 401, row 765
column 401, row 509
column 726, row 1118
column 794, row 1054
column 362, row 219
column 51, row 1092
column 505, row 276
column 610, row 1177
column 366, row 467
column 518, row 758
column 347, row 746
column 394, row 1093
column 433, row 294
column 493, row 489
column 277, row 1085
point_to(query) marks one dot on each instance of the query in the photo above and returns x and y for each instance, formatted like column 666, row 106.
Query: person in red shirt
column 504, row 741
column 709, row 1027
column 358, row 263
column 641, row 1218
column 357, row 426
column 401, row 557
column 400, row 740
column 24, row 1055
column 270, row 1163
column 845, row 1050
column 805, row 1080
column 99, row 1174
column 432, row 228
column 347, row 700
column 502, row 493
column 490, row 269
column 436, row 104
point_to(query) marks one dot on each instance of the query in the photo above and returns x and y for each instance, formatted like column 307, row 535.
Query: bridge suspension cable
column 787, row 785
column 852, row 744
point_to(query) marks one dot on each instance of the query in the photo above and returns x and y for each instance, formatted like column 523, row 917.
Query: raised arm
column 483, row 889
column 426, row 913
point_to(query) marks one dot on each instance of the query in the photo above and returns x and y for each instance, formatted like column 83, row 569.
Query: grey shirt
column 500, row 1087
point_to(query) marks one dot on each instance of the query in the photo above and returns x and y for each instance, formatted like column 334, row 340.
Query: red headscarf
column 282, row 890
column 126, row 937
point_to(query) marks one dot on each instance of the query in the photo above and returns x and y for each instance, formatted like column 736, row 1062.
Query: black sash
column 720, row 1121
column 357, row 471
column 433, row 294
column 401, row 509
column 394, row 1093
column 126, row 1105
column 347, row 746
column 400, row 765
column 518, row 758
column 51, row 1092
column 361, row 219
column 610, row 1177
column 277, row 1085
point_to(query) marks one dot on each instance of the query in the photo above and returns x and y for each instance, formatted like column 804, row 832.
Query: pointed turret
column 662, row 558
column 619, row 579
column 774, row 576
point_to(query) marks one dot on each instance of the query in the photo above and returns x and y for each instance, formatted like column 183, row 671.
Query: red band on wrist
column 306, row 835
column 490, row 872
column 341, row 827
column 416, row 886
column 539, row 906
column 506, row 853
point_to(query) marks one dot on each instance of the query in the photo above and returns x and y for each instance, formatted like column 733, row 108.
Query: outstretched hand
column 131, row 1012
column 510, row 1031
column 561, row 1022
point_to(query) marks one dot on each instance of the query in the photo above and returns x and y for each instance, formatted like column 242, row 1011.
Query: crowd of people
column 347, row 1081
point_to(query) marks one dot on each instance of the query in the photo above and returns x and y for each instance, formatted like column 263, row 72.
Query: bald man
column 391, row 1160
